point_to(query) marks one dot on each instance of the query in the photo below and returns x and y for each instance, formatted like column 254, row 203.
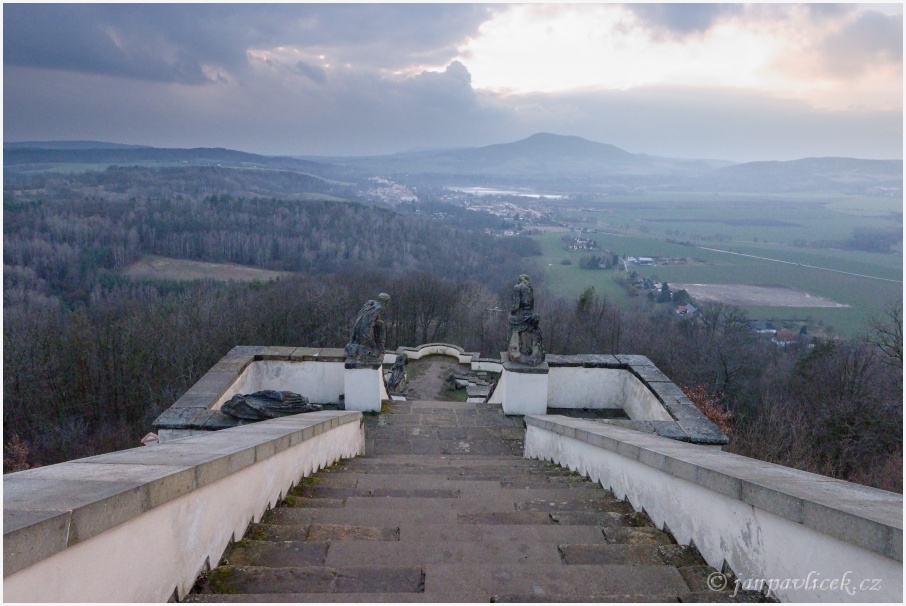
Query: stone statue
column 525, row 344
column 396, row 380
column 268, row 404
column 366, row 343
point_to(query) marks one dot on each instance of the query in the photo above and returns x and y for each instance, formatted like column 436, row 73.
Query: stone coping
column 690, row 424
column 867, row 517
column 415, row 353
column 48, row 509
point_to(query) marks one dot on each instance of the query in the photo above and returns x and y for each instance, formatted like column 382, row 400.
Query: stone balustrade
column 139, row 525
column 808, row 538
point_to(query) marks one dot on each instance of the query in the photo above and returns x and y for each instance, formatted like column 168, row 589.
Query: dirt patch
column 163, row 268
column 427, row 378
column 744, row 295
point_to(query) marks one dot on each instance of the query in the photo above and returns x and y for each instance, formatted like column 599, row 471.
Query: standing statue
column 396, row 379
column 525, row 343
column 366, row 343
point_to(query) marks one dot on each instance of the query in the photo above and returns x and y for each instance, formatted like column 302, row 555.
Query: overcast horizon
column 732, row 82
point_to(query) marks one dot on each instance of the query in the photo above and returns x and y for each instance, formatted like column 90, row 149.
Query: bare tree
column 886, row 332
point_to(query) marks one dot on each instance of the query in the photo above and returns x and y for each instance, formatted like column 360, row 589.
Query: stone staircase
column 443, row 508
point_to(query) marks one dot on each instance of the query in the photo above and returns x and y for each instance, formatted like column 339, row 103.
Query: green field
column 762, row 226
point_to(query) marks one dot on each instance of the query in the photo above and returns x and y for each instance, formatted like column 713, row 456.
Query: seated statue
column 366, row 343
column 525, row 343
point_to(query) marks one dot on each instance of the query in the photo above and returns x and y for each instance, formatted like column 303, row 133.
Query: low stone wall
column 632, row 383
column 139, row 525
column 807, row 537
column 316, row 373
column 433, row 349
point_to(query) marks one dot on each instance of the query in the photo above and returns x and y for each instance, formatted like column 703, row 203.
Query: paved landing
column 443, row 508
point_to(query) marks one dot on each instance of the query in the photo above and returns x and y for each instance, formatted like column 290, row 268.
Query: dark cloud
column 680, row 20
column 869, row 39
column 173, row 42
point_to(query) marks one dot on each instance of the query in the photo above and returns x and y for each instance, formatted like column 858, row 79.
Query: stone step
column 491, row 578
column 609, row 554
column 277, row 554
column 321, row 532
column 617, row 599
column 315, row 579
column 330, row 492
column 520, row 552
column 564, row 502
column 443, row 481
column 637, row 536
column 302, row 598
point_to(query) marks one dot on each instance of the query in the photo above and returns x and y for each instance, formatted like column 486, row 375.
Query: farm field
column 827, row 292
column 181, row 270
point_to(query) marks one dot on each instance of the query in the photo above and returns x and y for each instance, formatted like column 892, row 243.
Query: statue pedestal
column 524, row 387
column 364, row 386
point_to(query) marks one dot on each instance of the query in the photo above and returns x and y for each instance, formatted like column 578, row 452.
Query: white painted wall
column 364, row 389
column 320, row 382
column 600, row 388
column 523, row 393
column 755, row 543
column 146, row 558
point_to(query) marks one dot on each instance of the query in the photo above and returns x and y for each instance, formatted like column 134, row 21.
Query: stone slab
column 599, row 361
column 437, row 551
column 280, row 555
column 276, row 352
column 253, row 579
column 633, row 360
column 609, row 554
column 555, row 361
column 30, row 536
column 331, row 354
column 304, row 354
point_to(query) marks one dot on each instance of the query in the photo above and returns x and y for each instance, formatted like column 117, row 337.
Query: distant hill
column 543, row 160
column 542, row 155
column 69, row 145
column 36, row 156
column 807, row 174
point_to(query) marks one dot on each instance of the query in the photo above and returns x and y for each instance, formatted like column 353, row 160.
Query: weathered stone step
column 609, row 554
column 637, row 536
column 316, row 579
column 440, row 481
column 321, row 532
column 577, row 599
column 520, row 552
column 273, row 554
column 302, row 598
column 491, row 578
column 330, row 492
column 537, row 533
column 289, row 516
column 564, row 502
column 597, row 519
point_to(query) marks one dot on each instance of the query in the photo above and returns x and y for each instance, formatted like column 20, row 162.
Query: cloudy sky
column 731, row 81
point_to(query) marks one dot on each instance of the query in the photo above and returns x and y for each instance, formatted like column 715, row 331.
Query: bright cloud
column 831, row 58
